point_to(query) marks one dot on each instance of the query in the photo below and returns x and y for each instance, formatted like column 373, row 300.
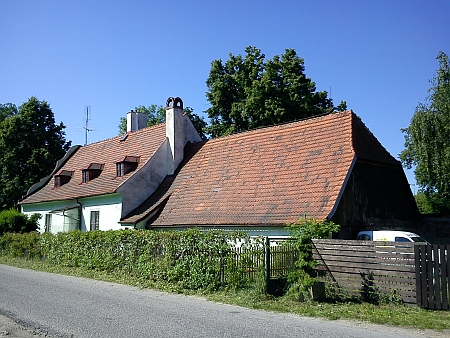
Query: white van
column 389, row 236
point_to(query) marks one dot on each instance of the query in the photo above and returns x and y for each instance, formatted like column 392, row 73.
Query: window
column 62, row 178
column 85, row 174
column 48, row 223
column 95, row 218
column 126, row 165
column 402, row 239
column 92, row 171
column 120, row 169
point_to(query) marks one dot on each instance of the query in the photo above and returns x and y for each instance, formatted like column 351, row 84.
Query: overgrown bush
column 302, row 278
column 14, row 221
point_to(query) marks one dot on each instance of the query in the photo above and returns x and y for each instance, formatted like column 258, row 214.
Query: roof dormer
column 92, row 171
column 126, row 165
column 62, row 178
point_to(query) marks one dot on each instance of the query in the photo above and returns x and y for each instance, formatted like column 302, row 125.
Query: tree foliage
column 30, row 145
column 7, row 110
column 427, row 143
column 250, row 92
column 157, row 114
column 13, row 221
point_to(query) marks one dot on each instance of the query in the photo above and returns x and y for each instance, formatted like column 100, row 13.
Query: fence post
column 222, row 269
column 267, row 262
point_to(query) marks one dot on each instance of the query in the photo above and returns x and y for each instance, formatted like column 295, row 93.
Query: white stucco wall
column 63, row 220
column 109, row 207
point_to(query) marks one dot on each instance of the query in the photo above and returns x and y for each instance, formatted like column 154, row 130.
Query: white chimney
column 175, row 132
column 136, row 121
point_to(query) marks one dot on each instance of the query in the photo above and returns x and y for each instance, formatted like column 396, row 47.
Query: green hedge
column 182, row 259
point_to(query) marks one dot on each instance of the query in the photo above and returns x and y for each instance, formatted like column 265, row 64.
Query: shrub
column 302, row 278
column 14, row 221
column 21, row 245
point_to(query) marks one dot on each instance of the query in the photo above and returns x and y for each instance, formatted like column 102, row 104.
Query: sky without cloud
column 115, row 55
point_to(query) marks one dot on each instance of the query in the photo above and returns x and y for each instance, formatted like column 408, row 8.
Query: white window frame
column 94, row 222
column 48, row 223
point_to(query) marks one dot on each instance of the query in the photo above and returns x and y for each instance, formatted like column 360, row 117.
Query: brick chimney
column 136, row 121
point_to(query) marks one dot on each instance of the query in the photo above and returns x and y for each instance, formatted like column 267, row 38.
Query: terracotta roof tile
column 142, row 143
column 267, row 176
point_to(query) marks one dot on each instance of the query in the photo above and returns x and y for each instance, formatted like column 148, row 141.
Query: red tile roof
column 266, row 176
column 142, row 143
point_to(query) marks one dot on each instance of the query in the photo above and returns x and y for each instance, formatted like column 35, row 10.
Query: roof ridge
column 283, row 124
column 127, row 133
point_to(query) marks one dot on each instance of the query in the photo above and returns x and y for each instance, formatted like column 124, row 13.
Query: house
column 327, row 167
column 94, row 186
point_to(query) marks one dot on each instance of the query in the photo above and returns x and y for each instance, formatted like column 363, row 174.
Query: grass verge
column 389, row 314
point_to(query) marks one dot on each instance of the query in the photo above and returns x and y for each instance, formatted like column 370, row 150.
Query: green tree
column 425, row 204
column 7, row 110
column 427, row 143
column 157, row 114
column 250, row 92
column 30, row 145
column 14, row 221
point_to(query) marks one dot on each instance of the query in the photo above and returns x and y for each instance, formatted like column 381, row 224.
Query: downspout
column 80, row 212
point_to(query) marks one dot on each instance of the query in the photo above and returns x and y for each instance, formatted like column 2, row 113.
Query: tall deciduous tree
column 157, row 114
column 250, row 92
column 30, row 145
column 7, row 110
column 427, row 140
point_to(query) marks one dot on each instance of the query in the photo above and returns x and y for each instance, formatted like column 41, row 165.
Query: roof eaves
column 160, row 203
column 341, row 192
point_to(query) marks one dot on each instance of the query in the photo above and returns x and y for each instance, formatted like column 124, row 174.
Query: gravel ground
column 10, row 329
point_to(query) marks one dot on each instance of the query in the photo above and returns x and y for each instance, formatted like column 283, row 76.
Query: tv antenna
column 86, row 125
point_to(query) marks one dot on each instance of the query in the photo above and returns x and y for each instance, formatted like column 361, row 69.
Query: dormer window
column 62, row 178
column 126, row 165
column 92, row 171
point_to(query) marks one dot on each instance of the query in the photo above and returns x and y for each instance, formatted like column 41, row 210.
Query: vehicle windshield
column 418, row 239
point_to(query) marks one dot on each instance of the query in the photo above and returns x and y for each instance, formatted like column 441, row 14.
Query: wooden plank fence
column 354, row 266
column 433, row 276
column 419, row 273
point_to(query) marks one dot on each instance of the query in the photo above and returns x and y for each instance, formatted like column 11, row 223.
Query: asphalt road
column 54, row 305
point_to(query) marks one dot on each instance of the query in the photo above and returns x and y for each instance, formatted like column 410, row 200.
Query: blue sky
column 115, row 55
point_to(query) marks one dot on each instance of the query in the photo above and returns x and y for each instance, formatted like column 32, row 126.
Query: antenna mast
column 86, row 129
